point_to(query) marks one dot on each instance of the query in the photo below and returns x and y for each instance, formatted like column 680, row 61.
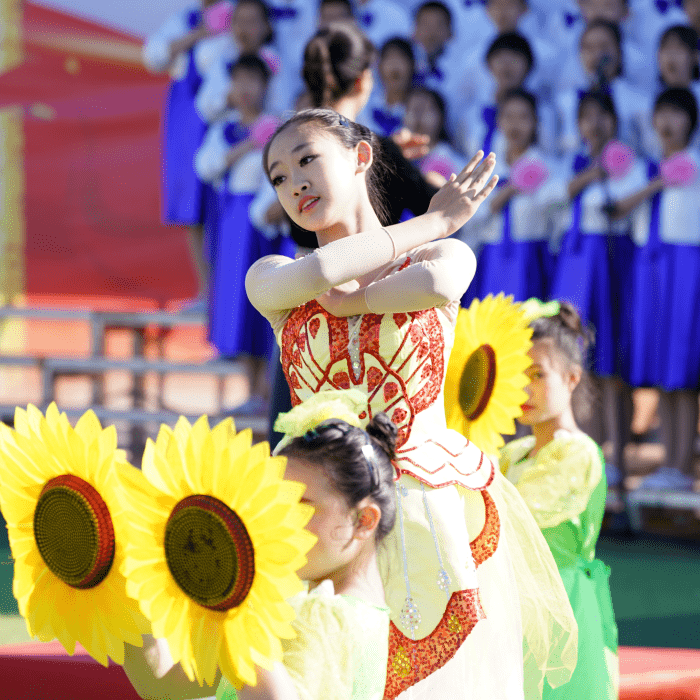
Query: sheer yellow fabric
column 550, row 632
column 559, row 483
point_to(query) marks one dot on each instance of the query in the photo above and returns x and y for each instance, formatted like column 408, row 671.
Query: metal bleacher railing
column 95, row 365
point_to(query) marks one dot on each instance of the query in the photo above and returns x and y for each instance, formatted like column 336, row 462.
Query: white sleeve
column 277, row 283
column 212, row 97
column 265, row 197
column 210, row 159
column 567, row 109
column 439, row 274
column 635, row 180
column 156, row 49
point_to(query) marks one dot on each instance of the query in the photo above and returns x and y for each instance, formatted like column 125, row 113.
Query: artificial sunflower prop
column 59, row 494
column 217, row 536
column 485, row 374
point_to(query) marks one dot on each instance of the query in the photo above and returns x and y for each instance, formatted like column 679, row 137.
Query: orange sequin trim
column 486, row 542
column 411, row 661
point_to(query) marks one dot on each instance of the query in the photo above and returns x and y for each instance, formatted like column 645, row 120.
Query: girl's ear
column 574, row 377
column 368, row 519
column 364, row 156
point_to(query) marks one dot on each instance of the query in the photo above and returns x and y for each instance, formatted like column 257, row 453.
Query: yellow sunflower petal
column 498, row 324
column 220, row 465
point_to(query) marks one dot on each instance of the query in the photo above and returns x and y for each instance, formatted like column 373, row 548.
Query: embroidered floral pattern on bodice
column 402, row 378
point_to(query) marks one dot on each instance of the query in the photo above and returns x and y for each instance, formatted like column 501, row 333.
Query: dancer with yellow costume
column 467, row 575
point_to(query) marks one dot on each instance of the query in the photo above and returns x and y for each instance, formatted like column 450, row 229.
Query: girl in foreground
column 559, row 472
column 374, row 309
column 342, row 623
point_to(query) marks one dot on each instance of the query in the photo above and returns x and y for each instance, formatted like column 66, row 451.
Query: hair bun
column 384, row 432
column 571, row 320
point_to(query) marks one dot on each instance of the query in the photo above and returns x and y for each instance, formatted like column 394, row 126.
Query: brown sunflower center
column 477, row 382
column 74, row 532
column 209, row 552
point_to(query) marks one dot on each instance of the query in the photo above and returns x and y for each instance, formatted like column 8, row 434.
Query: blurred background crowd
column 590, row 107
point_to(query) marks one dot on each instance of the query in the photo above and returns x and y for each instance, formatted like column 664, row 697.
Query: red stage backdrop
column 92, row 159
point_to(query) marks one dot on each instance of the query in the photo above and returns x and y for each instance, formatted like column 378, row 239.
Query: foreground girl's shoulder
column 324, row 660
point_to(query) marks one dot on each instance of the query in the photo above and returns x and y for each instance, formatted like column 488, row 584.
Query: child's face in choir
column 596, row 126
column 552, row 383
column 672, row 126
column 247, row 91
column 317, row 179
column 692, row 12
column 506, row 14
column 610, row 10
column 509, row 69
column 432, row 30
column 249, row 27
column 676, row 62
column 423, row 116
column 518, row 123
column 333, row 523
column 334, row 12
column 395, row 71
column 596, row 44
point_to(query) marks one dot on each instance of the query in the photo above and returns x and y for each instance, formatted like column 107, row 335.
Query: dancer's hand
column 460, row 197
column 344, row 300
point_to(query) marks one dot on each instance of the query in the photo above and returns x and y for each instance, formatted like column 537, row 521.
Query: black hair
column 399, row 44
column 348, row 3
column 687, row 36
column 434, row 5
column 338, row 446
column 602, row 99
column 525, row 96
column 334, row 58
column 265, row 11
column 440, row 103
column 251, row 62
column 683, row 100
column 512, row 41
column 572, row 340
column 614, row 30
column 349, row 134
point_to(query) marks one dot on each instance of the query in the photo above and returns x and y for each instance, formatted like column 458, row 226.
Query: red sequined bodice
column 399, row 361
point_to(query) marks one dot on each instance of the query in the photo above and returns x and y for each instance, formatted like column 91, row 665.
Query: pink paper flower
column 678, row 170
column 271, row 58
column 437, row 164
column 263, row 129
column 528, row 174
column 218, row 17
column 617, row 159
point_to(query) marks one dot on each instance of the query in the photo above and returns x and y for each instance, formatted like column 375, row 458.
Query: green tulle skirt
column 596, row 676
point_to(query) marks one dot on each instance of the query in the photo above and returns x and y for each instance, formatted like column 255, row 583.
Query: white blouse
column 156, row 48
column 679, row 212
column 531, row 215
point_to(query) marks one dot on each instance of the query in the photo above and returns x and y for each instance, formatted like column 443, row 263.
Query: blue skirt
column 665, row 347
column 521, row 268
column 183, row 192
column 235, row 327
column 213, row 206
column 595, row 275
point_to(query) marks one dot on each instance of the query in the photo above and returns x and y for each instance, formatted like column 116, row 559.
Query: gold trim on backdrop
column 12, row 221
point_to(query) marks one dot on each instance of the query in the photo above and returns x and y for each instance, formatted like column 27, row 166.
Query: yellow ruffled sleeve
column 321, row 659
column 559, row 482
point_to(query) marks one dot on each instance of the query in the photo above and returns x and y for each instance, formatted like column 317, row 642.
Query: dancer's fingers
column 480, row 176
column 469, row 167
column 486, row 191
